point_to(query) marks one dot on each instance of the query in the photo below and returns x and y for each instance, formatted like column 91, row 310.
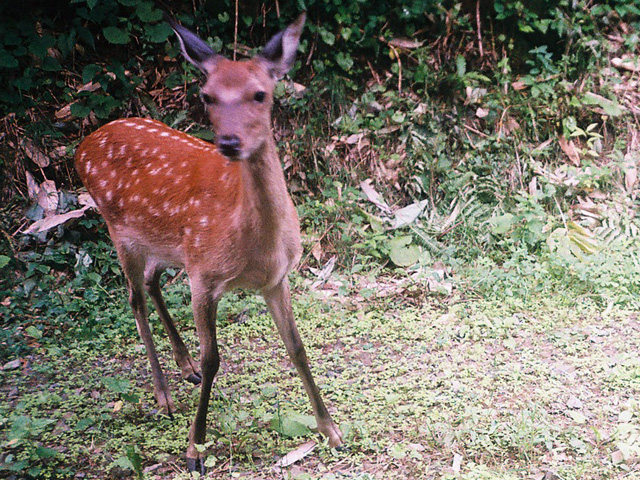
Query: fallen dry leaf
column 35, row 154
column 482, row 112
column 569, row 148
column 64, row 113
column 630, row 65
column 373, row 196
column 52, row 221
column 405, row 43
column 630, row 171
column 296, row 455
column 44, row 194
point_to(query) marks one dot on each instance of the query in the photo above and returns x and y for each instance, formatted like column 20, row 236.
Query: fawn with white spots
column 222, row 212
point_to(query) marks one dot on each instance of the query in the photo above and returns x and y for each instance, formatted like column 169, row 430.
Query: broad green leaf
column 461, row 66
column 4, row 261
column 116, row 385
column 115, row 35
column 344, row 60
column 397, row 451
column 403, row 252
column 502, row 224
column 147, row 13
column 610, row 107
column 158, row 33
column 327, row 37
column 33, row 332
column 84, row 423
column 44, row 452
column 293, row 424
column 7, row 60
column 89, row 72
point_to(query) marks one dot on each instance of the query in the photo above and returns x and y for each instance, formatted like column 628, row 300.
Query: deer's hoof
column 196, row 465
column 333, row 433
column 194, row 378
column 165, row 402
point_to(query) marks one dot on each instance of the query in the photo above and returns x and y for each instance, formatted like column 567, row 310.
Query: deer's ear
column 195, row 50
column 280, row 52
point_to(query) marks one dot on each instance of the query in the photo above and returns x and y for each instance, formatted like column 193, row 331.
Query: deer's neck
column 266, row 191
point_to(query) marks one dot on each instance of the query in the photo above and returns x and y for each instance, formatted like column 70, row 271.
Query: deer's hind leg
column 133, row 265
column 278, row 301
column 185, row 362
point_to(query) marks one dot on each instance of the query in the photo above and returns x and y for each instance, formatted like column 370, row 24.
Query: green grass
column 474, row 390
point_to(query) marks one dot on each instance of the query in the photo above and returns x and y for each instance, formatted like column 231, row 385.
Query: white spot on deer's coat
column 204, row 221
column 131, row 124
column 87, row 166
column 187, row 231
column 164, row 134
column 135, row 198
column 154, row 171
column 153, row 130
column 123, row 150
column 109, row 194
column 112, row 174
column 139, row 127
column 103, row 183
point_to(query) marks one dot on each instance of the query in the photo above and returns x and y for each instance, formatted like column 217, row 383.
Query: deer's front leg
column 279, row 304
column 204, row 313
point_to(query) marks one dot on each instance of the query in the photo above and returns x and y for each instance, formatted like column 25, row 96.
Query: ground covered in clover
column 473, row 389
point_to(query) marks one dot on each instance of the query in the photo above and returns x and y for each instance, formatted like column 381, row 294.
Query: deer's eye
column 259, row 96
column 207, row 99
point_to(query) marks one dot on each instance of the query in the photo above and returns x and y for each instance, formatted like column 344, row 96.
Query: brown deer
column 222, row 212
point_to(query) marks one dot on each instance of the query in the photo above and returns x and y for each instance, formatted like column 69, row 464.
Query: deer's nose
column 229, row 145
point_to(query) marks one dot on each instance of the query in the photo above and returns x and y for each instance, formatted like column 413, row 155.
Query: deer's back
column 164, row 192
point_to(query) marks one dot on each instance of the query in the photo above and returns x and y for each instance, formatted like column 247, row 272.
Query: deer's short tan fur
column 170, row 199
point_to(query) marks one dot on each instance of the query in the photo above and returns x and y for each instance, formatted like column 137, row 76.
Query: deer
column 221, row 211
